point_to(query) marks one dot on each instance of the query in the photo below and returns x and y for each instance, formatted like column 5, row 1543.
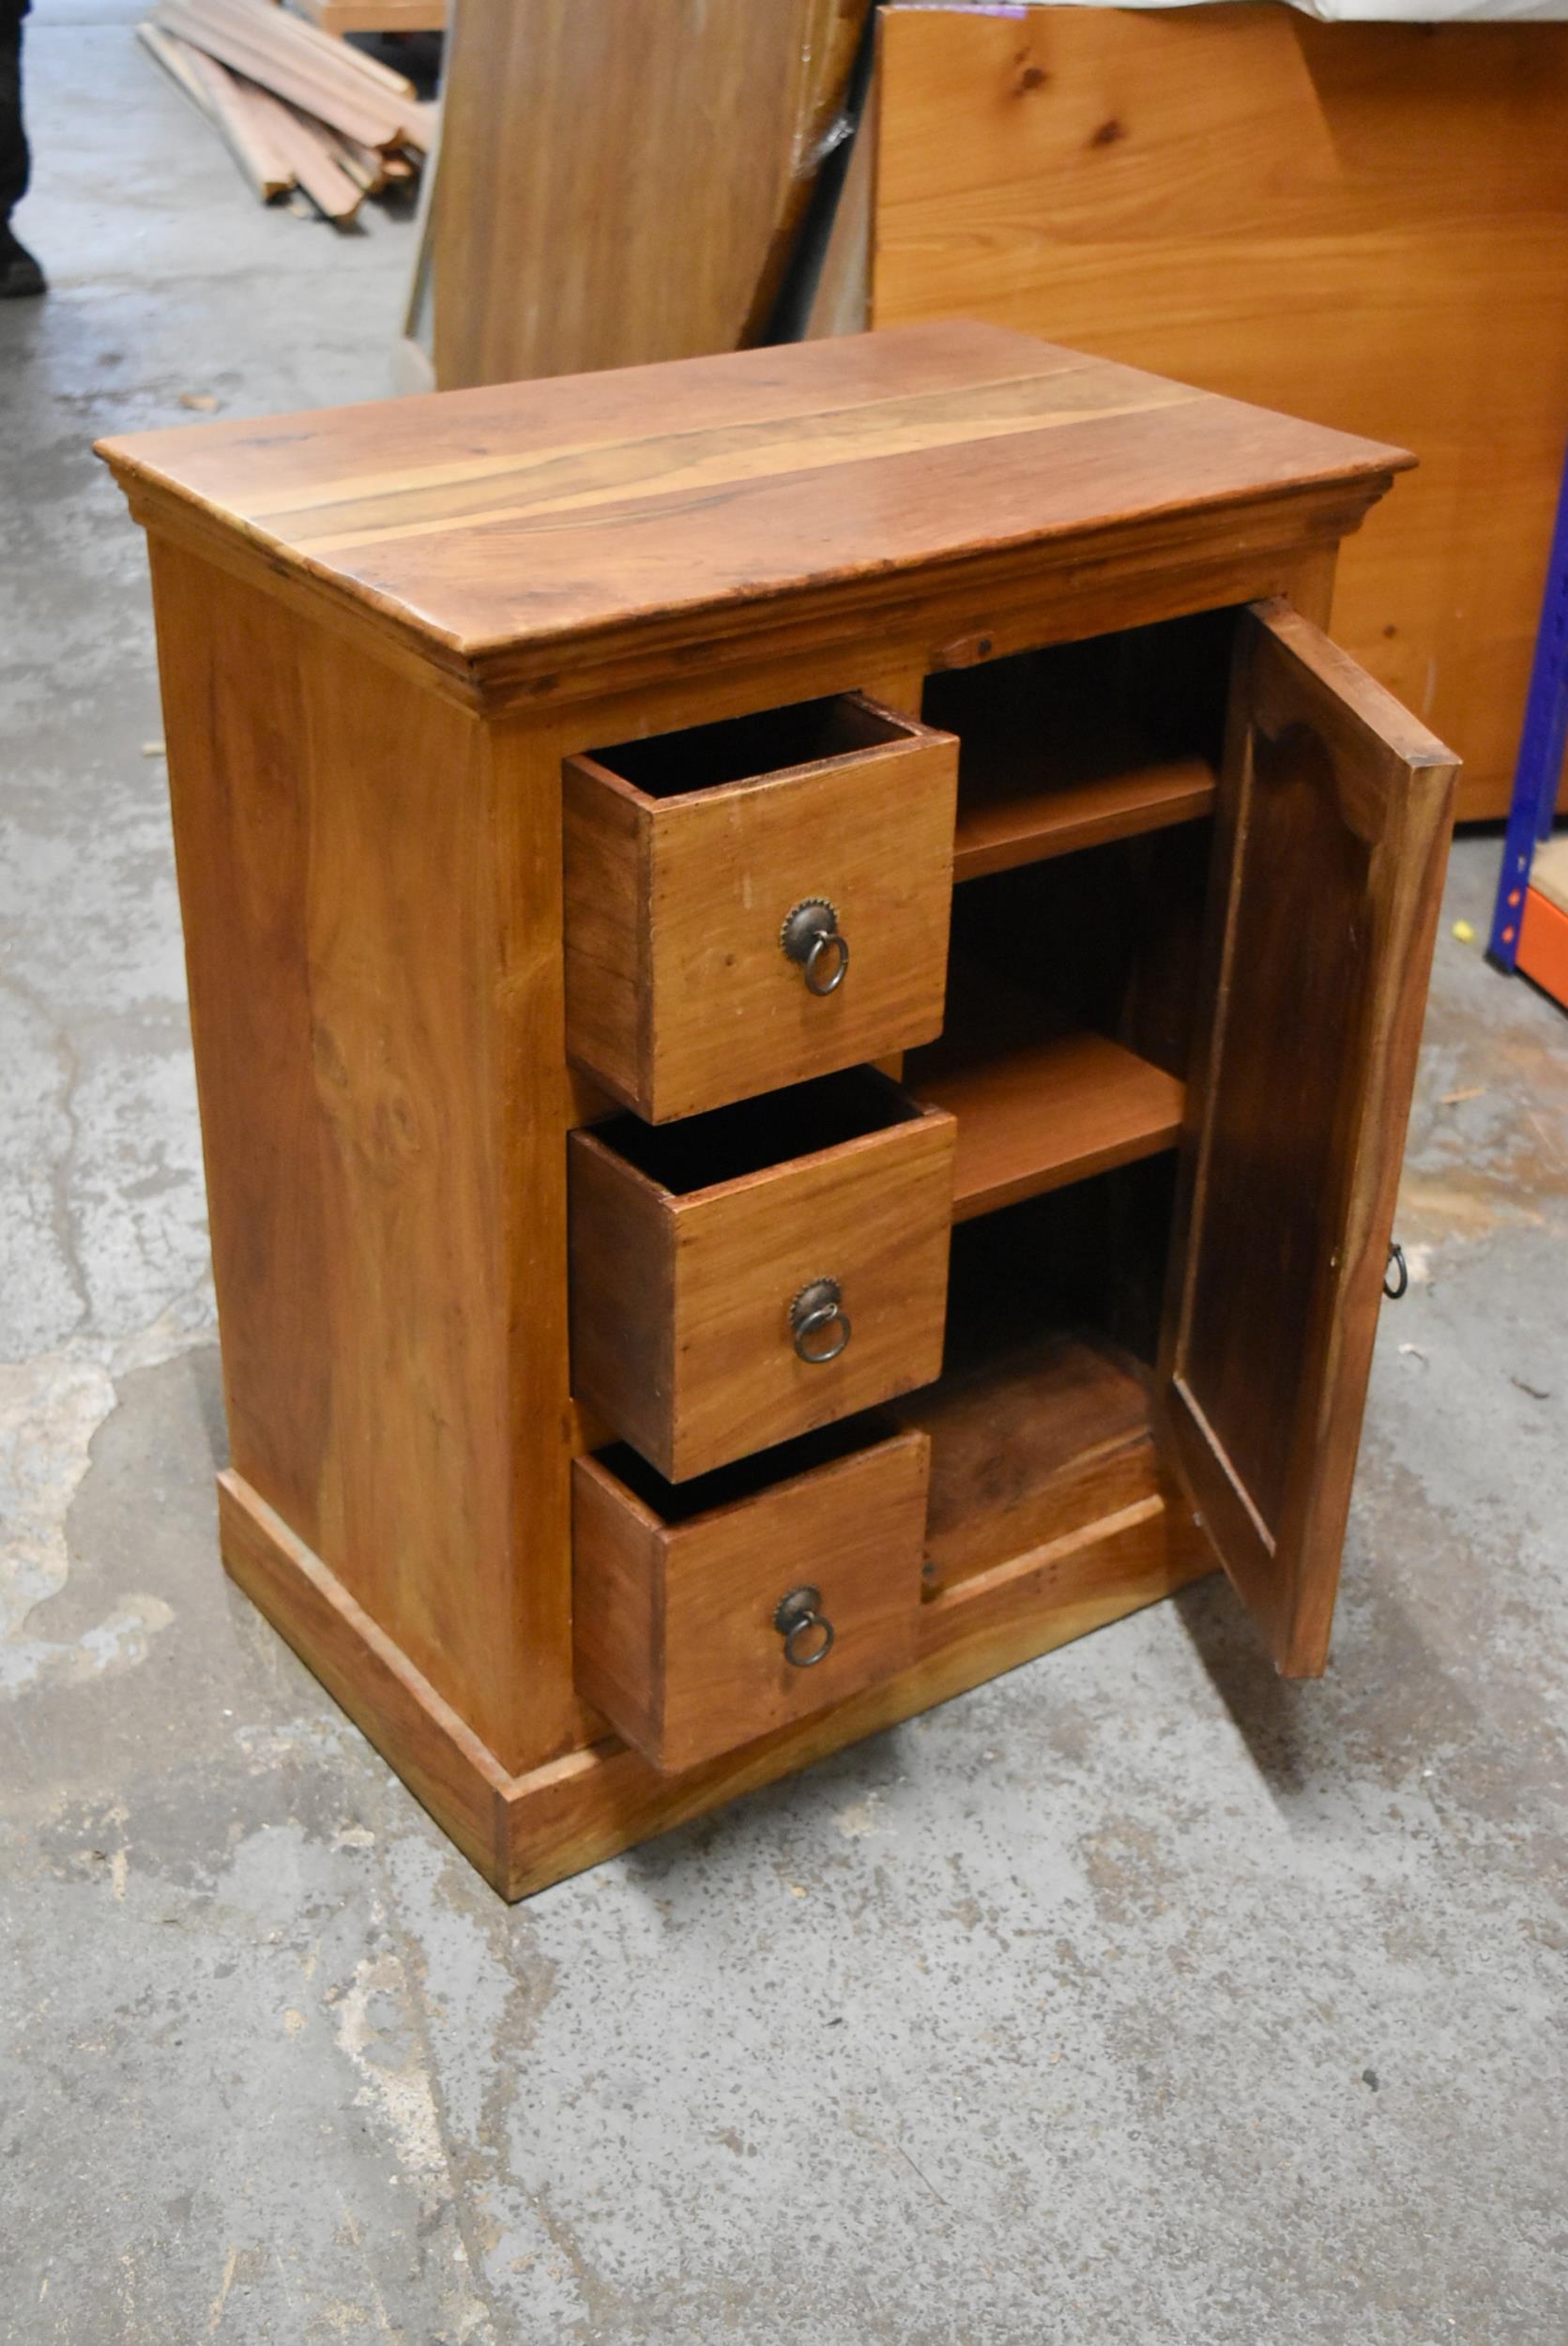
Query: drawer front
column 680, row 1639
column 693, row 1316
column 680, row 992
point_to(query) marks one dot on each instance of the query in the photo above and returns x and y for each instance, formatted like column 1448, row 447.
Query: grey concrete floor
column 1137, row 1998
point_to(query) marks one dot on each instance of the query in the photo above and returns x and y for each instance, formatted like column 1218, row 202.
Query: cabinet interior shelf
column 1082, row 743
column 1039, row 1103
column 1019, row 805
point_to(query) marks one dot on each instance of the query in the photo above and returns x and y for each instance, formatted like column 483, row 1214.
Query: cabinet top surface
column 532, row 513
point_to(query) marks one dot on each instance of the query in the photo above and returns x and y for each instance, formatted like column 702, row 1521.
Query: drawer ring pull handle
column 810, row 936
column 1397, row 1278
column 817, row 1308
column 807, row 1632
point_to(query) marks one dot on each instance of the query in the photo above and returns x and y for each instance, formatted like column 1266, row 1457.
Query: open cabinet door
column 1334, row 834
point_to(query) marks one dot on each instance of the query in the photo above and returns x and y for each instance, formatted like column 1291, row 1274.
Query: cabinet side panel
column 336, row 848
column 233, row 712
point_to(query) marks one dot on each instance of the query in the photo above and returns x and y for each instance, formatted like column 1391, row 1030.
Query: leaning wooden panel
column 583, row 140
column 1301, row 1103
column 1365, row 223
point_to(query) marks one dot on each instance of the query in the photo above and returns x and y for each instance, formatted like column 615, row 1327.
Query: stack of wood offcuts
column 301, row 113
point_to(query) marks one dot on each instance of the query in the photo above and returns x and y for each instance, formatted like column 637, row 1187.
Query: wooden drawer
column 686, row 857
column 677, row 1592
column 699, row 1252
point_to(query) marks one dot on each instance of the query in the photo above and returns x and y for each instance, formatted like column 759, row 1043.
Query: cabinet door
column 1334, row 834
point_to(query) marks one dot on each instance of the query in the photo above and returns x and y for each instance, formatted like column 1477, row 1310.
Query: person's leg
column 19, row 272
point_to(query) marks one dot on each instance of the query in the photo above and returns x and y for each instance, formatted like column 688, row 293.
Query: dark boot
column 19, row 272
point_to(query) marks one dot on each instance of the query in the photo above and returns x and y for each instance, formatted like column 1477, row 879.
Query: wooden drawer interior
column 691, row 1245
column 750, row 749
column 678, row 1590
column 702, row 866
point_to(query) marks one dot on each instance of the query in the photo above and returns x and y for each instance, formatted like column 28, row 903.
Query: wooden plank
column 717, row 496
column 371, row 117
column 306, row 29
column 174, row 59
column 1227, row 194
column 248, row 137
column 578, row 226
column 840, row 303
column 284, row 35
column 311, row 149
column 366, row 166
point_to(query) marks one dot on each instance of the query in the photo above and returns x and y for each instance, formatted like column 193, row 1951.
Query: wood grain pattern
column 1027, row 1447
column 1300, row 1112
column 527, row 1831
column 577, row 225
column 1224, row 194
column 680, row 1333
column 352, row 1006
column 677, row 1642
column 679, row 995
column 725, row 502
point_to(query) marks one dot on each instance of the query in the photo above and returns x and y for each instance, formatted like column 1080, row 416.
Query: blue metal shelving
column 1541, row 747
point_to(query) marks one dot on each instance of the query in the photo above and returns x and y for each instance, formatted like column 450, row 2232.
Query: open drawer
column 708, row 1615
column 746, row 1276
column 756, row 901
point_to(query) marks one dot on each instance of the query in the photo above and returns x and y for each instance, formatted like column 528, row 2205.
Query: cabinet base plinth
column 525, row 1832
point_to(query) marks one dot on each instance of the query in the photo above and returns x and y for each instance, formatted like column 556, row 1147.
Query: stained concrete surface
column 1135, row 1998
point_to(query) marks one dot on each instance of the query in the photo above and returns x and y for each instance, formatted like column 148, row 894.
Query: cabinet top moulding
column 534, row 543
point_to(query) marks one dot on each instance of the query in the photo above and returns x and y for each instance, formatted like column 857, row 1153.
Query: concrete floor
column 1138, row 1997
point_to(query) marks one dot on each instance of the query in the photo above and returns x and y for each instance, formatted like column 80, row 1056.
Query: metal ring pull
column 810, row 937
column 1401, row 1271
column 814, row 1311
column 826, row 941
column 807, row 1632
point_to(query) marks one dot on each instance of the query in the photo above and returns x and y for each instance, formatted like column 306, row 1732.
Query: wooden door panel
column 1332, row 839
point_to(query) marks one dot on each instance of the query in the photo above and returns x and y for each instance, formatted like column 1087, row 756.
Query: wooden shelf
column 1039, row 1102
column 1022, row 797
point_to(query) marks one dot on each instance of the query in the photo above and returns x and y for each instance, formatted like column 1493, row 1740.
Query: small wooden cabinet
column 805, row 971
